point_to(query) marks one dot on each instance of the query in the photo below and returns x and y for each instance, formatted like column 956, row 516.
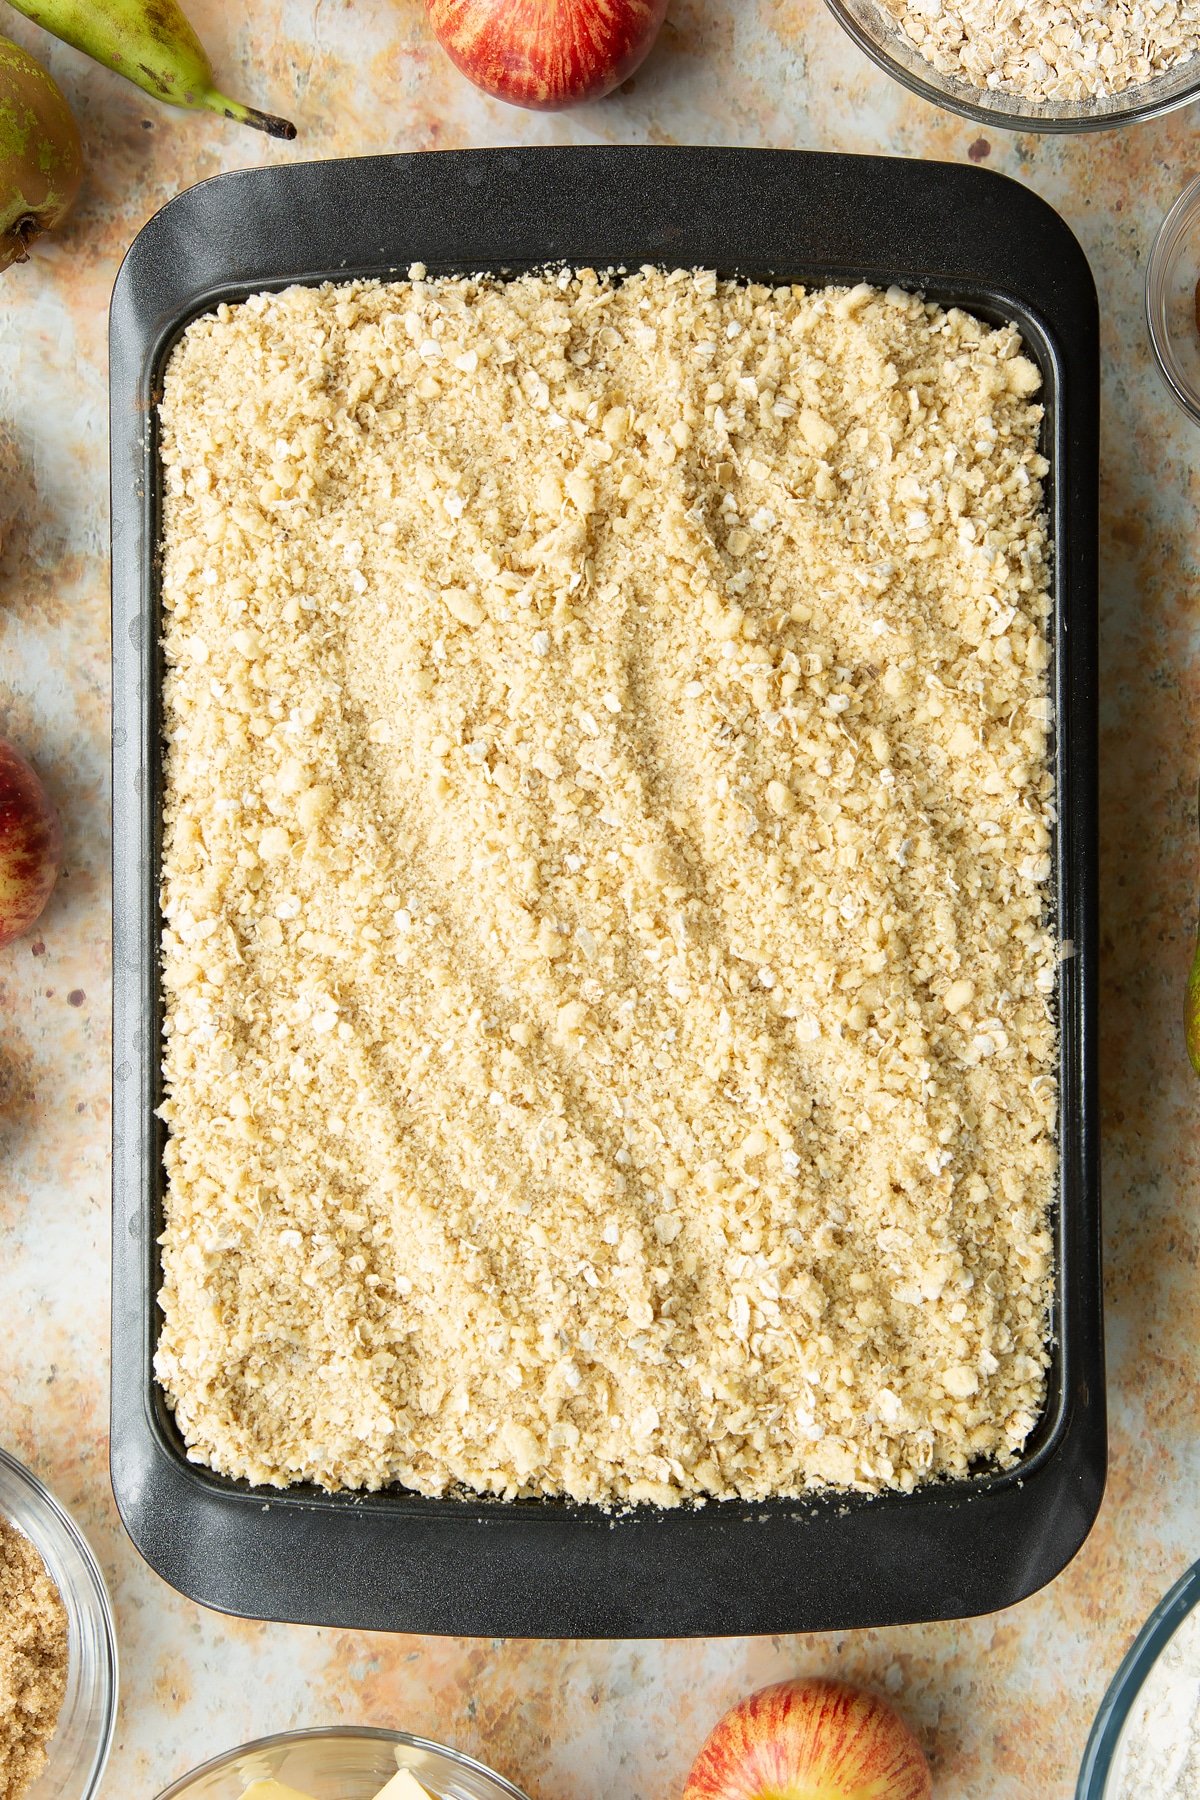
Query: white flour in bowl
column 1159, row 1750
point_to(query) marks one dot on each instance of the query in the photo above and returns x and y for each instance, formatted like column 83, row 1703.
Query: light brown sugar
column 33, row 1661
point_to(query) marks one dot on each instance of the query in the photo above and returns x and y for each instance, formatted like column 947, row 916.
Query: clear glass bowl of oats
column 68, row 1711
column 342, row 1763
column 959, row 54
column 1146, row 1736
column 1173, row 299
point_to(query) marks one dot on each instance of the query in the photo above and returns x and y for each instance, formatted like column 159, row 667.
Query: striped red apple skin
column 546, row 54
column 810, row 1740
column 31, row 844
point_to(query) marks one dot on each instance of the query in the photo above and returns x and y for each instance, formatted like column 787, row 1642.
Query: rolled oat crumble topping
column 606, row 888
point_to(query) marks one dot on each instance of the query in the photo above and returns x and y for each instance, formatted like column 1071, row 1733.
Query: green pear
column 150, row 42
column 41, row 160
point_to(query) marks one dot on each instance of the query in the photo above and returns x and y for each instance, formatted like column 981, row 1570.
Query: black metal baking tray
column 394, row 1560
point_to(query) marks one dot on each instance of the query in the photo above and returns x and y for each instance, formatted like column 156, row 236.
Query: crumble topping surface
column 606, row 882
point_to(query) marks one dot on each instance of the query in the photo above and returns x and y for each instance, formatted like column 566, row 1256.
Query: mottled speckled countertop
column 1003, row 1703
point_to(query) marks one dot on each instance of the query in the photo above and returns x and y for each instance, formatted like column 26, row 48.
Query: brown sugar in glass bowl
column 57, row 1640
column 33, row 1661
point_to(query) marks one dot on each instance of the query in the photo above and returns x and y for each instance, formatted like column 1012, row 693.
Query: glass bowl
column 1102, row 1759
column 78, row 1750
column 342, row 1763
column 876, row 32
column 1171, row 277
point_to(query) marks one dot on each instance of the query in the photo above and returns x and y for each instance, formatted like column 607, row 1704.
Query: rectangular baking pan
column 394, row 1560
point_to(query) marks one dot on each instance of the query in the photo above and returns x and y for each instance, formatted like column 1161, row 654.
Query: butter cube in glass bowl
column 341, row 1763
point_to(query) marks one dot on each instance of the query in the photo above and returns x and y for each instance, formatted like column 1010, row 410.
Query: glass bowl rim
column 1185, row 204
column 43, row 1497
column 1176, row 1605
column 378, row 1733
column 931, row 88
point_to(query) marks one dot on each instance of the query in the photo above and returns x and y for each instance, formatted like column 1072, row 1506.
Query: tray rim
column 143, row 1450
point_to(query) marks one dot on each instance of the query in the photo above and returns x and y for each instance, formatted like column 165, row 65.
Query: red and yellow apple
column 30, row 844
column 546, row 54
column 810, row 1740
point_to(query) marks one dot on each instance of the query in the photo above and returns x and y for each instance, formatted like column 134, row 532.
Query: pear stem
column 24, row 231
column 249, row 115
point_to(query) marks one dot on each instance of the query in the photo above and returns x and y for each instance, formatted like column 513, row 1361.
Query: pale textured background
column 1004, row 1703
